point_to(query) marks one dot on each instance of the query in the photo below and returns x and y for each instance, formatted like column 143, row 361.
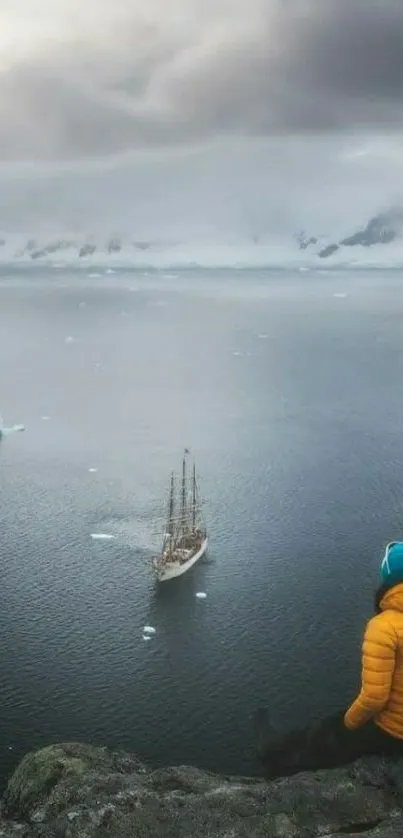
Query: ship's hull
column 174, row 569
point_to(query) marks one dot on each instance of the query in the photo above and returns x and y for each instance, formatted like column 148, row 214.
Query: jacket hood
column 391, row 599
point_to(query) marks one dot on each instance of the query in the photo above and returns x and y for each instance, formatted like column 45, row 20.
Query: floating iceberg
column 12, row 430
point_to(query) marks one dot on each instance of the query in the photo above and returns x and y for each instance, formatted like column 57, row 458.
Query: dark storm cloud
column 159, row 74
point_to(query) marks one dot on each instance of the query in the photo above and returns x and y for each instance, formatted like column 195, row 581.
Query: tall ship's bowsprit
column 185, row 540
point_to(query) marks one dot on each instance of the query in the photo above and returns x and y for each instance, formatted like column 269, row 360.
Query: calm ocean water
column 288, row 390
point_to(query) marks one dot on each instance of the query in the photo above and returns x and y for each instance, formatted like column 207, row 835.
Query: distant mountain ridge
column 379, row 240
column 381, row 229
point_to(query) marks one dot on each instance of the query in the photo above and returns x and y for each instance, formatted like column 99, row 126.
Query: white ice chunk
column 149, row 630
column 92, row 470
column 15, row 428
column 102, row 536
column 201, row 595
column 11, row 430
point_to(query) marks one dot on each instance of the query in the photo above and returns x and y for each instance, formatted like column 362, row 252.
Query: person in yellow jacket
column 373, row 724
column 380, row 702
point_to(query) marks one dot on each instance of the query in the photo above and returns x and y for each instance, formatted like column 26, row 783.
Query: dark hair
column 379, row 594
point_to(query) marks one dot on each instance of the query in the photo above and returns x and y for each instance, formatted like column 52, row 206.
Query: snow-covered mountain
column 385, row 228
column 379, row 242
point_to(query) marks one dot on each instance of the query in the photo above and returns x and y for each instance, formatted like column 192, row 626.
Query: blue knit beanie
column 392, row 565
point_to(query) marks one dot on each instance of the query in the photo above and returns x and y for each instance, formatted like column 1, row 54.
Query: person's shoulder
column 387, row 622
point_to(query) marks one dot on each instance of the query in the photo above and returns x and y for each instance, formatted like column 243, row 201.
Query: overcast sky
column 89, row 86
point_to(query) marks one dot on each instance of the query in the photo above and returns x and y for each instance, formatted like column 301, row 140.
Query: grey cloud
column 223, row 191
column 161, row 79
column 354, row 49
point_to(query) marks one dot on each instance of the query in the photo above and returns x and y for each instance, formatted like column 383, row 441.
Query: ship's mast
column 184, row 493
column 194, row 500
column 171, row 511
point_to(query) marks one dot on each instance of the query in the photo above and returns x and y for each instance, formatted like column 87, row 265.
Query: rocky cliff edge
column 80, row 791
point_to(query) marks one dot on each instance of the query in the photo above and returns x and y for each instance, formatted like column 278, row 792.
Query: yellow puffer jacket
column 381, row 696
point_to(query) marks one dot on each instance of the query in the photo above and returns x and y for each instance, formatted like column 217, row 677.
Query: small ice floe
column 146, row 637
column 94, row 276
column 201, row 595
column 14, row 429
column 238, row 354
column 149, row 630
column 110, row 271
column 70, row 339
column 45, row 418
column 340, row 296
column 123, row 313
column 263, row 337
column 11, row 430
column 92, row 470
column 102, row 536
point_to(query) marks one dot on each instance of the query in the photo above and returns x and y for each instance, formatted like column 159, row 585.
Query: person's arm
column 378, row 664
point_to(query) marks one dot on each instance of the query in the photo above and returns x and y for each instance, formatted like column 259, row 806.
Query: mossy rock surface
column 80, row 791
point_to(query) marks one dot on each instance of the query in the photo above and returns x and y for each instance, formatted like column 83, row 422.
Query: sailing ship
column 185, row 539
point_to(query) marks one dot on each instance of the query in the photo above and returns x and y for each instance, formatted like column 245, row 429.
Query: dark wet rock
column 80, row 791
column 29, row 246
column 328, row 251
column 382, row 229
column 305, row 241
column 114, row 246
column 61, row 244
column 87, row 250
column 51, row 248
column 38, row 254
